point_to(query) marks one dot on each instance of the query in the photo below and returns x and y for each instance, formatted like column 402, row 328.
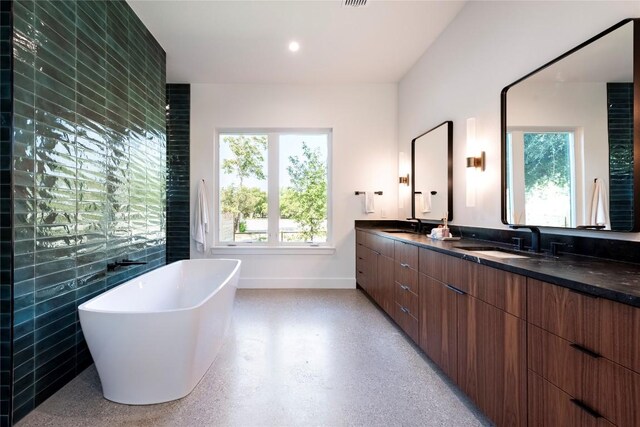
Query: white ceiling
column 247, row 41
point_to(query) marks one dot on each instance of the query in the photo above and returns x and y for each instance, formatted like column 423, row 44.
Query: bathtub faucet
column 124, row 263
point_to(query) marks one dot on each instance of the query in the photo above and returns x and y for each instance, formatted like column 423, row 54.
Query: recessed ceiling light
column 294, row 46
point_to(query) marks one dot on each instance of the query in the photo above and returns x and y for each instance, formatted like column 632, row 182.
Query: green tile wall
column 178, row 186
column 6, row 254
column 620, row 129
column 89, row 175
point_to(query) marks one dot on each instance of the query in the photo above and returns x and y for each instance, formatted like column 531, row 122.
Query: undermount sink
column 492, row 251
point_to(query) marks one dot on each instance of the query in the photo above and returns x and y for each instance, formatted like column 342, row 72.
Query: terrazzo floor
column 292, row 358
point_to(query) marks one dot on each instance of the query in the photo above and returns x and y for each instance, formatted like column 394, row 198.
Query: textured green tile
column 79, row 117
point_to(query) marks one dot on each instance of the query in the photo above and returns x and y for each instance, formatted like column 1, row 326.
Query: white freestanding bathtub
column 154, row 337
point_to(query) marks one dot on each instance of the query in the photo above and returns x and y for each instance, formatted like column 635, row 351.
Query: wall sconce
column 476, row 162
column 404, row 169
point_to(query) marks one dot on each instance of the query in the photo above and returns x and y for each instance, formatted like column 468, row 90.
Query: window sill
column 272, row 250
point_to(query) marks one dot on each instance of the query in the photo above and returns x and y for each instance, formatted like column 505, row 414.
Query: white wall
column 364, row 157
column 488, row 46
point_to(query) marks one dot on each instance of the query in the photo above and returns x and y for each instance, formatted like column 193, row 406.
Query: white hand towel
column 598, row 205
column 426, row 203
column 368, row 202
column 201, row 219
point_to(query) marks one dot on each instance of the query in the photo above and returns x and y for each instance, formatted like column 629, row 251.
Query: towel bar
column 379, row 193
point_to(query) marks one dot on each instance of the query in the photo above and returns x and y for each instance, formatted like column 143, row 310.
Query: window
column 273, row 187
column 546, row 164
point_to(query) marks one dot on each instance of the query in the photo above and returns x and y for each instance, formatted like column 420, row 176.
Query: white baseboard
column 297, row 283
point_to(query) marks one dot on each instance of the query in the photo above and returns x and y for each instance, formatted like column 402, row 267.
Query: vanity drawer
column 602, row 385
column 502, row 289
column 381, row 245
column 432, row 264
column 361, row 266
column 407, row 322
column 407, row 277
column 361, row 252
column 361, row 238
column 561, row 363
column 361, row 273
column 406, row 255
column 407, row 299
column 619, row 329
column 551, row 407
column 567, row 314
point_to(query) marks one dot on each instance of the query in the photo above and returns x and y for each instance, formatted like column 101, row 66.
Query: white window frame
column 576, row 154
column 272, row 245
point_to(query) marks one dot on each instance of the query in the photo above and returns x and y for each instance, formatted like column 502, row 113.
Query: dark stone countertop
column 617, row 281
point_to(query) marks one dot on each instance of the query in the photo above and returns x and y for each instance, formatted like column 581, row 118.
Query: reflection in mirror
column 431, row 167
column 568, row 138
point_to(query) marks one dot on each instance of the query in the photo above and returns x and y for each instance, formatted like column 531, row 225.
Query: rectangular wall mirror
column 431, row 169
column 569, row 137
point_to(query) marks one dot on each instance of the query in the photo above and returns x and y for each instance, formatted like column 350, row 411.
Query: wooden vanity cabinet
column 587, row 348
column 525, row 351
column 466, row 330
column 375, row 268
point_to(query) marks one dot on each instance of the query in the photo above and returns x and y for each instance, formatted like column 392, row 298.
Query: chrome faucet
column 535, row 236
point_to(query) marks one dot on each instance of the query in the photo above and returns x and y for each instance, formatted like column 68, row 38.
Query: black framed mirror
column 432, row 173
column 570, row 135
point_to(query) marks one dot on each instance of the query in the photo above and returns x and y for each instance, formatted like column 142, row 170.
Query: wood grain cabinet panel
column 407, row 299
column 460, row 273
column 551, row 407
column 602, row 386
column 407, row 322
column 561, row 363
column 439, row 324
column 502, row 289
column 568, row 314
column 619, row 331
column 432, row 263
column 406, row 254
column 385, row 284
column 361, row 238
column 407, row 277
column 618, row 394
column 492, row 367
column 371, row 273
column 382, row 245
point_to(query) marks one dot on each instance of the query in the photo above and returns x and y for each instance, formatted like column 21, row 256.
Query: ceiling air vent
column 354, row 3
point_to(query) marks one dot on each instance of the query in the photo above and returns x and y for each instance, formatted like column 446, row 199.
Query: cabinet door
column 385, row 286
column 492, row 364
column 438, row 324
